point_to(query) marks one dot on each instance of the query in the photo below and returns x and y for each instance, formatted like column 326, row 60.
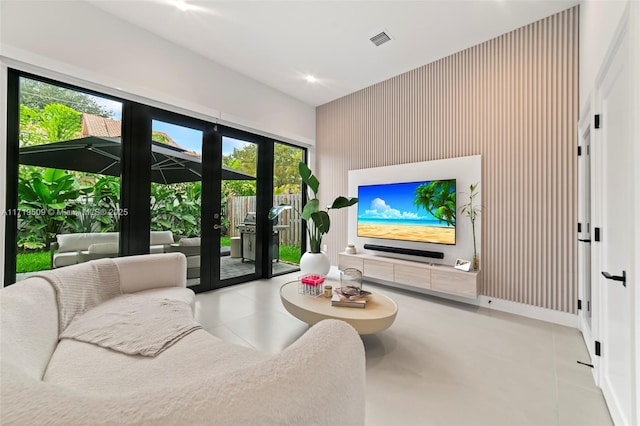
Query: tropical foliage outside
column 53, row 201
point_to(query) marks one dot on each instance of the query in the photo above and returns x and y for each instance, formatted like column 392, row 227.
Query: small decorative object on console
column 311, row 284
column 462, row 264
column 350, row 249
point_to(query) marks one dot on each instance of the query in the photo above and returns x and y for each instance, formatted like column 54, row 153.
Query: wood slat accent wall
column 513, row 100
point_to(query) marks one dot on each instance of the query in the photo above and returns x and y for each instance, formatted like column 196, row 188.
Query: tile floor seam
column 235, row 334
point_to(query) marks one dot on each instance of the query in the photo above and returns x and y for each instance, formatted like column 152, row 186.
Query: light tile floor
column 440, row 363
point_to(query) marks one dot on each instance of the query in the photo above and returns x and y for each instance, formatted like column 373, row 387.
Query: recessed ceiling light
column 310, row 78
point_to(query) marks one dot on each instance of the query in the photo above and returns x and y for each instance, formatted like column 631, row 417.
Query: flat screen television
column 423, row 211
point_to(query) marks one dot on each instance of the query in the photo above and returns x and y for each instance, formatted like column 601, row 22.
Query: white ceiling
column 279, row 42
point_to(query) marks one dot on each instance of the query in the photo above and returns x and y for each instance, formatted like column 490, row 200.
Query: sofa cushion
column 65, row 259
column 161, row 237
column 195, row 241
column 148, row 271
column 193, row 262
column 195, row 356
column 29, row 325
column 156, row 249
column 104, row 248
column 82, row 241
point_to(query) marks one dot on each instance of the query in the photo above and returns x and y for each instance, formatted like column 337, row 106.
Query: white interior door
column 615, row 204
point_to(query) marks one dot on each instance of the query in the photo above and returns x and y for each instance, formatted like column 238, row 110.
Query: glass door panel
column 287, row 228
column 176, row 194
column 68, row 177
column 239, row 250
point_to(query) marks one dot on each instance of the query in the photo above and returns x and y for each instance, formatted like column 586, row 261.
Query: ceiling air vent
column 380, row 38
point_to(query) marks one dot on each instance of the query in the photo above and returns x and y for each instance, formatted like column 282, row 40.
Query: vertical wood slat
column 513, row 100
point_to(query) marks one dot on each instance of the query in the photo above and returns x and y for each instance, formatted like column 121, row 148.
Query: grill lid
column 250, row 218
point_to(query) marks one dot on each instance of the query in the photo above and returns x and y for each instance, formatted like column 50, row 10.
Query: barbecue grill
column 248, row 238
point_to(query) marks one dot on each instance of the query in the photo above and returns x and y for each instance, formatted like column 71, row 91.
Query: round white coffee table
column 378, row 315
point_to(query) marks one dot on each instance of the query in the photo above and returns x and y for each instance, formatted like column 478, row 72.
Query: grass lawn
column 290, row 254
column 34, row 261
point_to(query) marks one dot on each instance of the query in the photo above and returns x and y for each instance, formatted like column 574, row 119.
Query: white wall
column 598, row 22
column 75, row 42
column 83, row 42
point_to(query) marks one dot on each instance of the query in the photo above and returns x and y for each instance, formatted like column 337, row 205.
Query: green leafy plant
column 106, row 198
column 53, row 123
column 472, row 211
column 318, row 221
column 45, row 201
column 438, row 197
column 176, row 208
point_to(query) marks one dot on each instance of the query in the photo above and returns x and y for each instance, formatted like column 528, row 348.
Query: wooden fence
column 238, row 207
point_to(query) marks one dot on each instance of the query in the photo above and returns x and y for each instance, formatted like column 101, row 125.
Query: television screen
column 411, row 211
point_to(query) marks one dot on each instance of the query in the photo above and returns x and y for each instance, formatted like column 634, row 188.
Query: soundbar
column 412, row 252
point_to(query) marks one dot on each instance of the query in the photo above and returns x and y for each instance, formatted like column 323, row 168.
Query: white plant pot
column 315, row 263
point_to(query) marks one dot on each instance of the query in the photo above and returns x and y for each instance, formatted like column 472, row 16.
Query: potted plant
column 318, row 222
column 472, row 212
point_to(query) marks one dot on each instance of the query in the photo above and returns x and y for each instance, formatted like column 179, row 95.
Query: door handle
column 584, row 241
column 216, row 226
column 622, row 278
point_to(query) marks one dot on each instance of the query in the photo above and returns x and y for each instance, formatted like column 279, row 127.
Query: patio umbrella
column 101, row 155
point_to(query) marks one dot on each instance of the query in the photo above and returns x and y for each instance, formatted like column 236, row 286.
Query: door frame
column 634, row 23
column 264, row 191
column 627, row 27
column 585, row 128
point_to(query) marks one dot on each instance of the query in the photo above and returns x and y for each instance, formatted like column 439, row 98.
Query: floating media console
column 437, row 278
column 412, row 252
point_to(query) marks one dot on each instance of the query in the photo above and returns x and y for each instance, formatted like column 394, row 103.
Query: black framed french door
column 237, row 205
column 188, row 192
column 205, row 168
column 156, row 181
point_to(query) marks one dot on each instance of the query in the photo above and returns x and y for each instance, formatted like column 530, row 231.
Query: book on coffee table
column 341, row 300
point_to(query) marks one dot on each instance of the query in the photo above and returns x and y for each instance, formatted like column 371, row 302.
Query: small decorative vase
column 351, row 277
column 350, row 249
column 476, row 263
column 315, row 263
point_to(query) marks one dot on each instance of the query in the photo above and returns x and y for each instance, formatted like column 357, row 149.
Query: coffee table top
column 378, row 315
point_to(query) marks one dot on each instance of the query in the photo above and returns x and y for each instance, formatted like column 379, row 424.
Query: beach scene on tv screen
column 412, row 211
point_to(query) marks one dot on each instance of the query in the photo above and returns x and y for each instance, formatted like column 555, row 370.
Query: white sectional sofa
column 82, row 247
column 319, row 379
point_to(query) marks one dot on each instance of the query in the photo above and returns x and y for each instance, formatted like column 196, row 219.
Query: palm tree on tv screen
column 438, row 197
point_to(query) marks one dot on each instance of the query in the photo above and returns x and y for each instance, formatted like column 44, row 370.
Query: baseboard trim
column 522, row 309
column 530, row 311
